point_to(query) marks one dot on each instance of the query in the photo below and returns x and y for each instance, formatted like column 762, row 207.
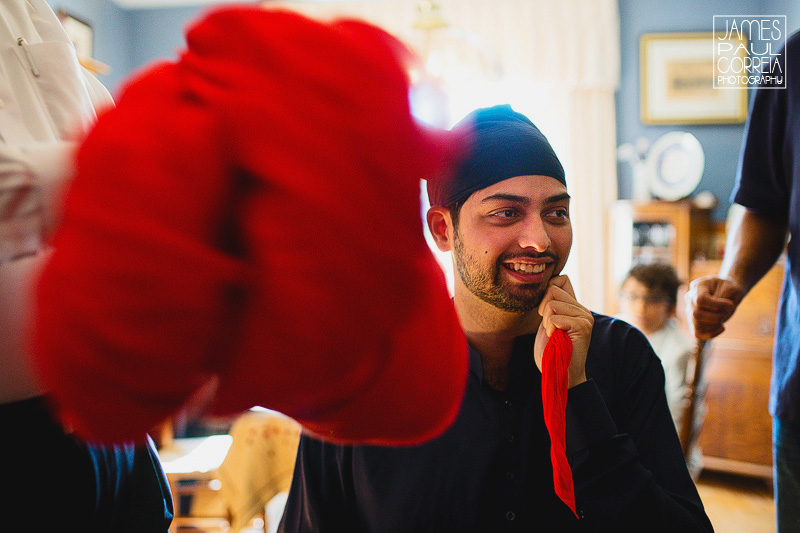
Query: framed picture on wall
column 676, row 75
column 80, row 33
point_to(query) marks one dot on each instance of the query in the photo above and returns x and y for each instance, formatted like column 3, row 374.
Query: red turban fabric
column 251, row 213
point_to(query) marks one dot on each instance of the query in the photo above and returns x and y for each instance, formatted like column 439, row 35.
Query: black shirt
column 769, row 183
column 491, row 471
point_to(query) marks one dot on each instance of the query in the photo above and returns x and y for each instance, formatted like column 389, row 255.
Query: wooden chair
column 259, row 464
column 191, row 468
column 225, row 483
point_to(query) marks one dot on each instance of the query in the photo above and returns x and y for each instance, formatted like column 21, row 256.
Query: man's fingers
column 714, row 288
column 559, row 307
column 560, row 291
column 701, row 317
column 730, row 290
column 708, row 302
column 564, row 283
column 713, row 310
column 569, row 324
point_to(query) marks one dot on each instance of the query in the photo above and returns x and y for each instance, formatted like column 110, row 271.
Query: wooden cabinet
column 639, row 232
column 737, row 432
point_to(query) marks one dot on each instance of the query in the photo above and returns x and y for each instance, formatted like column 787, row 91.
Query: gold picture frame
column 676, row 72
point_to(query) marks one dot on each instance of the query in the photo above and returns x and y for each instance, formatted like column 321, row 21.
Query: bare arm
column 753, row 246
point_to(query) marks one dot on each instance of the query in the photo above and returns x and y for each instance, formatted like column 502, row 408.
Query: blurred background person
column 647, row 300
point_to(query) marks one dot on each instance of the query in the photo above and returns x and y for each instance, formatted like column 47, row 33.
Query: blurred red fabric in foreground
column 251, row 212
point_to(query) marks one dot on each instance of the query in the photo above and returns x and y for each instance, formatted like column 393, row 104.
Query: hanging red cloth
column 555, row 362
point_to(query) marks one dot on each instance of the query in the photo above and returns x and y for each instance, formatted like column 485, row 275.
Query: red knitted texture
column 251, row 213
column 555, row 362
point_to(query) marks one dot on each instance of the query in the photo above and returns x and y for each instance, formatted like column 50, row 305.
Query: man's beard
column 487, row 284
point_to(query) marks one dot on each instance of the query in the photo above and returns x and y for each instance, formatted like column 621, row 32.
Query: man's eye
column 560, row 213
column 505, row 213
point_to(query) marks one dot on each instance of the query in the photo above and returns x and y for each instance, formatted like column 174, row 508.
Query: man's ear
column 440, row 224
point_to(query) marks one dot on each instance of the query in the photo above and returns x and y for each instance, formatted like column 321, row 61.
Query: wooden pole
column 692, row 397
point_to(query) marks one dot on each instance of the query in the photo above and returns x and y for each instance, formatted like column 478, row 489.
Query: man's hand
column 710, row 302
column 560, row 310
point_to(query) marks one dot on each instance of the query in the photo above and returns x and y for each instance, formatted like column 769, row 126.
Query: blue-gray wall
column 721, row 143
column 128, row 39
column 159, row 33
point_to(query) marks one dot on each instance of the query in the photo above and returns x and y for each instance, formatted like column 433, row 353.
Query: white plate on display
column 675, row 165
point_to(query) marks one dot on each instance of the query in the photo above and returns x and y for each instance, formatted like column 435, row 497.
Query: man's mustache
column 528, row 255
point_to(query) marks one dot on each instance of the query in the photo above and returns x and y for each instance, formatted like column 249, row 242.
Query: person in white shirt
column 47, row 103
column 647, row 300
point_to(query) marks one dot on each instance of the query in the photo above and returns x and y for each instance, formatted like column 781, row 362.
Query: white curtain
column 570, row 46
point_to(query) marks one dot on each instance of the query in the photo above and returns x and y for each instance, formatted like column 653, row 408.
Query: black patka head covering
column 505, row 144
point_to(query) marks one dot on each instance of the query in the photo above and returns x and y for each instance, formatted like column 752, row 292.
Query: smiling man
column 504, row 214
column 522, row 289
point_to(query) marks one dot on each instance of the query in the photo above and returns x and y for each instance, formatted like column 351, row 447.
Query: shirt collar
column 475, row 363
column 522, row 359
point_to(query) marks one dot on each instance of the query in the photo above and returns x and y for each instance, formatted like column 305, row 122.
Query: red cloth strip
column 555, row 362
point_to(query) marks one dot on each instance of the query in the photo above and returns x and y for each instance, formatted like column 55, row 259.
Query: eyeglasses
column 645, row 298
